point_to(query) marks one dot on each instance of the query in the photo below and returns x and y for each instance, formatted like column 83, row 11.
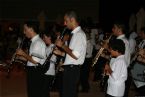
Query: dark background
column 104, row 12
column 114, row 10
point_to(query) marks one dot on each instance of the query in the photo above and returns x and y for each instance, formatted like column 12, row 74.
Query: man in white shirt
column 75, row 55
column 37, row 54
column 119, row 31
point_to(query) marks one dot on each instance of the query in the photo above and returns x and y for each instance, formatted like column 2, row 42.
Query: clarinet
column 45, row 66
column 13, row 59
column 14, row 55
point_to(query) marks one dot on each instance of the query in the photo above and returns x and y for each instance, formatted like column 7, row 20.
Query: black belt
column 32, row 67
column 71, row 65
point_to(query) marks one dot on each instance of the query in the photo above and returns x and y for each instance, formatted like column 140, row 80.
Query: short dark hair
column 117, row 45
column 33, row 24
column 72, row 14
column 50, row 34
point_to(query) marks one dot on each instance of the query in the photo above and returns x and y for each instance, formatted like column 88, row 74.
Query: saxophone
column 100, row 51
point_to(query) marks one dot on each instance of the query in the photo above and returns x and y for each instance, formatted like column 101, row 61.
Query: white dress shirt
column 78, row 45
column 51, row 70
column 116, row 81
column 127, row 50
column 37, row 51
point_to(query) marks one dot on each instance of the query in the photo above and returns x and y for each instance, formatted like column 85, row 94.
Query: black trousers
column 70, row 80
column 34, row 82
column 46, row 85
column 84, row 75
column 127, row 83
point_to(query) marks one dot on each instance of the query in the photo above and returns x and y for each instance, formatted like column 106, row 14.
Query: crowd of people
column 71, row 49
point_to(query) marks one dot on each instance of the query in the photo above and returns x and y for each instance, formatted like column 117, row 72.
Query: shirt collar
column 76, row 29
column 121, row 56
column 34, row 38
column 121, row 36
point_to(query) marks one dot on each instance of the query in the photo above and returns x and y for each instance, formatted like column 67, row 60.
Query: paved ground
column 15, row 86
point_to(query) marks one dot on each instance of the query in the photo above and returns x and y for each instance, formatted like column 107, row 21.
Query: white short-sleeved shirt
column 37, row 51
column 116, row 81
column 78, row 45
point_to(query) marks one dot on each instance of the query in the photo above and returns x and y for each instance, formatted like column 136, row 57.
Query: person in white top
column 117, row 70
column 75, row 55
column 36, row 55
column 48, row 77
column 119, row 30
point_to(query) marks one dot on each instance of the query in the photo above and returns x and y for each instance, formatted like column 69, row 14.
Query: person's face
column 47, row 39
column 68, row 22
column 27, row 31
column 113, row 53
column 115, row 30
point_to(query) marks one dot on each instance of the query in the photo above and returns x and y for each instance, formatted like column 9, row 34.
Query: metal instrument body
column 16, row 58
column 100, row 51
column 45, row 66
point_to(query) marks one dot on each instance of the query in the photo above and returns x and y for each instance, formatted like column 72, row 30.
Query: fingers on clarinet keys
column 57, row 52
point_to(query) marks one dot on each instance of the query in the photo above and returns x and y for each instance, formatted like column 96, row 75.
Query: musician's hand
column 20, row 52
column 107, row 69
column 58, row 52
column 59, row 43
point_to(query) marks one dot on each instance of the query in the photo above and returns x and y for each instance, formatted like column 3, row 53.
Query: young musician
column 48, row 77
column 119, row 30
column 117, row 70
column 75, row 55
column 36, row 55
